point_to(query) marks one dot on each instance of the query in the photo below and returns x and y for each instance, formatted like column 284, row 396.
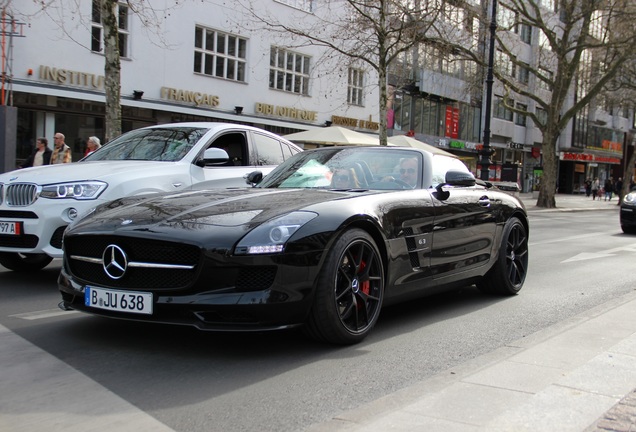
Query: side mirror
column 213, row 156
column 254, row 178
column 459, row 178
column 454, row 178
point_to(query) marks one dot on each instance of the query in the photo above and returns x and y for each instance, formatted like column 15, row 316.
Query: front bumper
column 43, row 224
column 628, row 215
column 284, row 304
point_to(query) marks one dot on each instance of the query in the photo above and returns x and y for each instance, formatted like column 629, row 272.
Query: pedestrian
column 595, row 187
column 609, row 188
column 40, row 156
column 588, row 187
column 92, row 144
column 618, row 188
column 61, row 152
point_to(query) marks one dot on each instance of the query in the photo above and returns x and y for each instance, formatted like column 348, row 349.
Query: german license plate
column 11, row 228
column 118, row 301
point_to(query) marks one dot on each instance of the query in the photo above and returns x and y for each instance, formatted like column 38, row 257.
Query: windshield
column 157, row 144
column 349, row 168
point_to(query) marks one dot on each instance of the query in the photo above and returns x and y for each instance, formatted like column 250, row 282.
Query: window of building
column 289, row 71
column 451, row 65
column 542, row 115
column 453, row 14
column 430, row 58
column 97, row 28
column 355, row 86
column 525, row 33
column 500, row 110
column 503, row 63
column 506, row 18
column 545, row 83
column 520, row 119
column 219, row 54
column 305, row 5
column 550, row 5
column 597, row 25
column 522, row 73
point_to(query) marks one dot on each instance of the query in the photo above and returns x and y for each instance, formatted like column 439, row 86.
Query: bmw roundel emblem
column 114, row 261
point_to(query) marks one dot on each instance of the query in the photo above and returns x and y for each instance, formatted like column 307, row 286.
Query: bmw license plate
column 11, row 228
column 118, row 301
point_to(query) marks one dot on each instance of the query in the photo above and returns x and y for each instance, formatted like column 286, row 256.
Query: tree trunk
column 547, row 190
column 112, row 70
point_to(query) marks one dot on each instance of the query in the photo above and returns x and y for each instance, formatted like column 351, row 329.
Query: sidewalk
column 576, row 376
column 569, row 203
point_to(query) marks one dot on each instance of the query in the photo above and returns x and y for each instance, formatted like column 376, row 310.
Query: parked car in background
column 324, row 241
column 628, row 213
column 36, row 204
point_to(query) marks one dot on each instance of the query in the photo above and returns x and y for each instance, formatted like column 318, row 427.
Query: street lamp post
column 486, row 151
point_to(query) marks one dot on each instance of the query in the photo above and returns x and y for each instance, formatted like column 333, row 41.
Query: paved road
column 47, row 386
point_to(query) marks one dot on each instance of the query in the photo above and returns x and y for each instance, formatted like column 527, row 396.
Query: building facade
column 187, row 62
column 442, row 105
column 202, row 61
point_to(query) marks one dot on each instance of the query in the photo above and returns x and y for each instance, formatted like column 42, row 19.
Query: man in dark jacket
column 40, row 156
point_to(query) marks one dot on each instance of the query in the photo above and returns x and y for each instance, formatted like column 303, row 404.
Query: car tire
column 507, row 275
column 349, row 291
column 628, row 229
column 24, row 262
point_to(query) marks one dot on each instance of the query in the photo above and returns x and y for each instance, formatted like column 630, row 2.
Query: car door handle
column 484, row 201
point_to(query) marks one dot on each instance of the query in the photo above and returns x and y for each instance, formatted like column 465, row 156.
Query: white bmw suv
column 36, row 204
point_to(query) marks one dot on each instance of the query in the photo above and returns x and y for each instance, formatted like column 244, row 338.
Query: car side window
column 235, row 145
column 268, row 150
column 288, row 151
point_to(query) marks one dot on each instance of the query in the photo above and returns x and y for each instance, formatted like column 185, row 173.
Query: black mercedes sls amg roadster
column 324, row 241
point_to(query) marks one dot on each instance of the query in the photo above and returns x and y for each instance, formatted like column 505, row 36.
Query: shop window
column 219, row 54
column 97, row 28
column 355, row 86
column 289, row 71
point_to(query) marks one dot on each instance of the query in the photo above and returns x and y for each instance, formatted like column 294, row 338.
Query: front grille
column 137, row 250
column 255, row 278
column 21, row 194
column 18, row 214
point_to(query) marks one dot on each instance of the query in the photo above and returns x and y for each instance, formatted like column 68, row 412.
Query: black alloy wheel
column 349, row 292
column 509, row 272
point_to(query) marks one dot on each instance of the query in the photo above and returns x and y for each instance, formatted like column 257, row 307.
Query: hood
column 78, row 171
column 223, row 208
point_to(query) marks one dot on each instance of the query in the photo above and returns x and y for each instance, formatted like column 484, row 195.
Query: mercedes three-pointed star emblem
column 114, row 261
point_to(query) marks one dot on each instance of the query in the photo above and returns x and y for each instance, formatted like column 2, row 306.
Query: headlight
column 630, row 198
column 80, row 190
column 272, row 235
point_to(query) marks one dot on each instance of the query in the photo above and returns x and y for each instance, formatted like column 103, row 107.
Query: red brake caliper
column 365, row 286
